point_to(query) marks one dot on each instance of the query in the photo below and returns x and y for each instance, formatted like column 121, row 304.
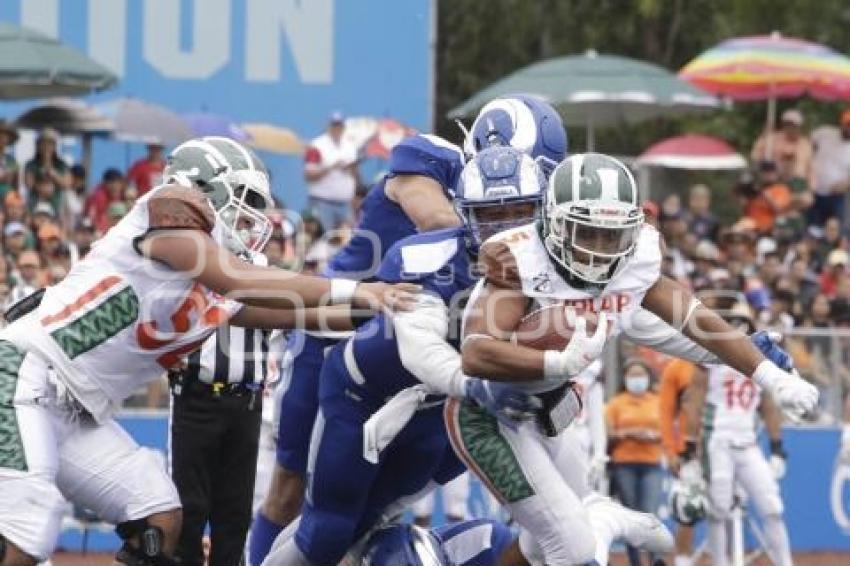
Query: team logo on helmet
column 524, row 122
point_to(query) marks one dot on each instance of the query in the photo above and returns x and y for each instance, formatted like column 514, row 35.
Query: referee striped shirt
column 231, row 356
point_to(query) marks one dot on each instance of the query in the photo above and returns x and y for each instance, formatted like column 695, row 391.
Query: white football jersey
column 532, row 269
column 119, row 319
column 731, row 406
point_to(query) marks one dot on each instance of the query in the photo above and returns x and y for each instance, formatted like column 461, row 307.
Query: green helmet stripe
column 593, row 177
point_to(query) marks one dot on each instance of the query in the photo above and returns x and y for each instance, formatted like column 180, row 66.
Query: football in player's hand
column 549, row 328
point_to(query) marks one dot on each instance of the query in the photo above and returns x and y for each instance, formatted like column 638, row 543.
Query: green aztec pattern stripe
column 12, row 455
column 98, row 325
column 483, row 441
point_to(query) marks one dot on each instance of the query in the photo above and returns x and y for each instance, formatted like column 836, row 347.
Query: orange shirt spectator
column 146, row 173
column 675, row 379
column 772, row 201
column 633, row 418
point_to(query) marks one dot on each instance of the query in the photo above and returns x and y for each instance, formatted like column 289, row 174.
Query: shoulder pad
column 429, row 156
column 500, row 265
column 644, row 267
column 175, row 206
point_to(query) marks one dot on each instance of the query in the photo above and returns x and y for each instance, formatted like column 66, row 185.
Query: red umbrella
column 693, row 152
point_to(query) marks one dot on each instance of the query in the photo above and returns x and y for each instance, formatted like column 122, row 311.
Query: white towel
column 387, row 422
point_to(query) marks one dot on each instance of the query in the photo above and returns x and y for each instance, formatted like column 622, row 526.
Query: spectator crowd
column 786, row 252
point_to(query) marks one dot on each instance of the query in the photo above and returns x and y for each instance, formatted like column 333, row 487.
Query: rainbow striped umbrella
column 770, row 66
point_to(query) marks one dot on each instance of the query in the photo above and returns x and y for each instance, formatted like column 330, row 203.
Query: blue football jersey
column 440, row 262
column 479, row 542
column 383, row 222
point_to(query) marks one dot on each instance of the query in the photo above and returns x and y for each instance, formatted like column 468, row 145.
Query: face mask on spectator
column 637, row 383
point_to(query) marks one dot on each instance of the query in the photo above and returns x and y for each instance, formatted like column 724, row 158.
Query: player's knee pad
column 32, row 514
column 770, row 505
column 152, row 489
column 150, row 543
column 721, row 499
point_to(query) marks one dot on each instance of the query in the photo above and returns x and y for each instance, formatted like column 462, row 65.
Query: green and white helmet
column 235, row 181
column 688, row 502
column 592, row 216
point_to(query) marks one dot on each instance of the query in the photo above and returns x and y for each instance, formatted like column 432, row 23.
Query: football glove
column 794, row 395
column 505, row 402
column 767, row 343
column 582, row 350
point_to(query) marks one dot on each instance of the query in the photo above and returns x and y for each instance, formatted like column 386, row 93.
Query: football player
column 415, row 196
column 356, row 477
column 153, row 289
column 592, row 252
column 721, row 409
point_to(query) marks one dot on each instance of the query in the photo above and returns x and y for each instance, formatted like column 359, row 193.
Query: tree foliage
column 480, row 41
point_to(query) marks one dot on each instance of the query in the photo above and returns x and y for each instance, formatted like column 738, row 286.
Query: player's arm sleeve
column 423, row 172
column 422, row 347
column 646, row 329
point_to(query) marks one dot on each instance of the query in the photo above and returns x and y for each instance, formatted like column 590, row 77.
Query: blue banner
column 287, row 62
column 815, row 490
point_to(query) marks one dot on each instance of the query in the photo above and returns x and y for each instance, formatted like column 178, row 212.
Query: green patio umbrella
column 593, row 90
column 33, row 65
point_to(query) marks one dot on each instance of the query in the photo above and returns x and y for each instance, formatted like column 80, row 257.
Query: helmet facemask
column 500, row 189
column 485, row 219
column 592, row 240
column 241, row 210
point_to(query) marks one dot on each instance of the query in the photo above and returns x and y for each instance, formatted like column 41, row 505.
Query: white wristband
column 553, row 368
column 456, row 386
column 765, row 374
column 342, row 291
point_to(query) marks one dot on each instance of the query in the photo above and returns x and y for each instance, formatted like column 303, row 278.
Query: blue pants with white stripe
column 346, row 494
column 300, row 400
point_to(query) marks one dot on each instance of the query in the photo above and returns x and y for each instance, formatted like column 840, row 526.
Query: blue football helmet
column 522, row 121
column 499, row 189
column 406, row 545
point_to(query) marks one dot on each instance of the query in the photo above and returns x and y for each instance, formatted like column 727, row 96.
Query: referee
column 215, row 428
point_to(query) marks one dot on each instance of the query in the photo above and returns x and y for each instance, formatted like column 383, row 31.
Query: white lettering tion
column 210, row 50
column 309, row 26
column 41, row 15
column 108, row 33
